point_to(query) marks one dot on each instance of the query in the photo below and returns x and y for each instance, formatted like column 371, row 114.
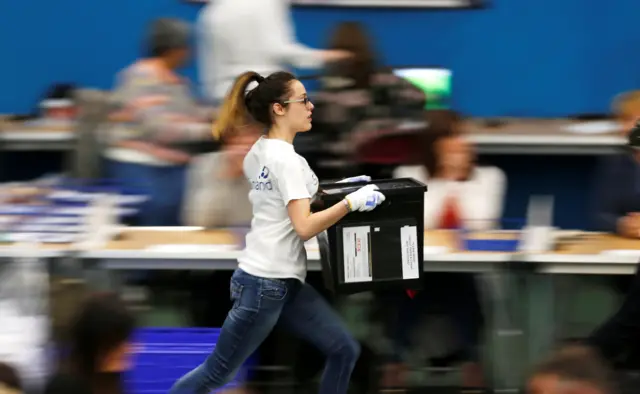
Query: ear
column 279, row 109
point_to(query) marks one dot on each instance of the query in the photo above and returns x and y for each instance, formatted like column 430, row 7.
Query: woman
column 156, row 124
column 447, row 165
column 460, row 195
column 97, row 348
column 359, row 102
column 268, row 286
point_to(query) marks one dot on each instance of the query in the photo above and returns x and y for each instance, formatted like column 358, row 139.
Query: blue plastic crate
column 163, row 355
column 492, row 244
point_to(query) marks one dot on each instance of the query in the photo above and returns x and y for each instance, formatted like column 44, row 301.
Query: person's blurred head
column 278, row 102
column 168, row 39
column 354, row 38
column 99, row 336
column 626, row 108
column 445, row 146
column 241, row 139
column 572, row 370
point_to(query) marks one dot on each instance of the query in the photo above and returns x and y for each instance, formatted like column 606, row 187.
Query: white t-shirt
column 277, row 175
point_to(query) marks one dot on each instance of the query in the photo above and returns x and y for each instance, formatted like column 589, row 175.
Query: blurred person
column 156, row 120
column 626, row 109
column 10, row 381
column 216, row 195
column 618, row 211
column 360, row 101
column 460, row 195
column 236, row 36
column 217, row 191
column 95, row 353
column 571, row 370
column 616, row 199
column 268, row 287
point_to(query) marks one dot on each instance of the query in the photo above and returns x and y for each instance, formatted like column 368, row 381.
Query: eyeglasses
column 304, row 100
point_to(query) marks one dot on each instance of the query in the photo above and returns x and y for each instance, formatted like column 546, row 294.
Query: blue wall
column 517, row 58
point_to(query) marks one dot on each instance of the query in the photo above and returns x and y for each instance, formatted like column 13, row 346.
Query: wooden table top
column 549, row 127
column 584, row 243
column 596, row 244
column 132, row 239
column 142, row 239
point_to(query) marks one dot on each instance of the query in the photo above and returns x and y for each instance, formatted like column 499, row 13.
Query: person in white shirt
column 239, row 35
column 268, row 286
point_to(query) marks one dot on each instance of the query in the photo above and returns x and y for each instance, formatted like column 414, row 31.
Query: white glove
column 364, row 199
column 359, row 178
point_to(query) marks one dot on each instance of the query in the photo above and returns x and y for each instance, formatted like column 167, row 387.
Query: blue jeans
column 258, row 305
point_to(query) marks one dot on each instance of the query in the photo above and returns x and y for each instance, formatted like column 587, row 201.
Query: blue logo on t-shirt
column 265, row 172
column 260, row 184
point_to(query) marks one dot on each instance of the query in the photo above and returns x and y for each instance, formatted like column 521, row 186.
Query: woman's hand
column 364, row 199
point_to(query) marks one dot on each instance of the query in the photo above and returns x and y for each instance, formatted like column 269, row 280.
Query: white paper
column 622, row 252
column 409, row 244
column 594, row 127
column 357, row 254
column 435, row 250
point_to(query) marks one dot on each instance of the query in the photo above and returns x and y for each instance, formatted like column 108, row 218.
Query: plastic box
column 378, row 249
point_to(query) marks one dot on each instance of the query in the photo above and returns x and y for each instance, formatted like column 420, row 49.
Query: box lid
column 388, row 187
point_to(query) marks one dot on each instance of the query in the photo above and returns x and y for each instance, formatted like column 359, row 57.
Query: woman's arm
column 307, row 224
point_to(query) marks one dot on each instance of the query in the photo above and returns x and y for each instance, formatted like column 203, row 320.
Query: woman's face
column 454, row 152
column 297, row 113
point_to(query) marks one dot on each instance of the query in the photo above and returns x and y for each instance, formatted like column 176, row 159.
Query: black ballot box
column 374, row 250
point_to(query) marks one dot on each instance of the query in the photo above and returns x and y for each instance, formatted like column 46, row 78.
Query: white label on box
column 357, row 254
column 409, row 244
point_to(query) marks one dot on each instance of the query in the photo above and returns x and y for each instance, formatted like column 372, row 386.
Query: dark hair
column 166, row 34
column 9, row 377
column 577, row 364
column 101, row 325
column 239, row 109
column 353, row 37
column 441, row 124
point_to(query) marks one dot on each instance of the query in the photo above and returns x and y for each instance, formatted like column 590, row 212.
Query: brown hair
column 577, row 364
column 626, row 105
column 353, row 37
column 238, row 110
column 441, row 124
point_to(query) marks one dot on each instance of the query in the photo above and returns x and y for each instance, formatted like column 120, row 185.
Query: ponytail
column 234, row 112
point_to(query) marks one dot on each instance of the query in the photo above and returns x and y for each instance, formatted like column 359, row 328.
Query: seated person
column 617, row 339
column 217, row 192
column 460, row 195
column 454, row 181
column 155, row 121
column 617, row 189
